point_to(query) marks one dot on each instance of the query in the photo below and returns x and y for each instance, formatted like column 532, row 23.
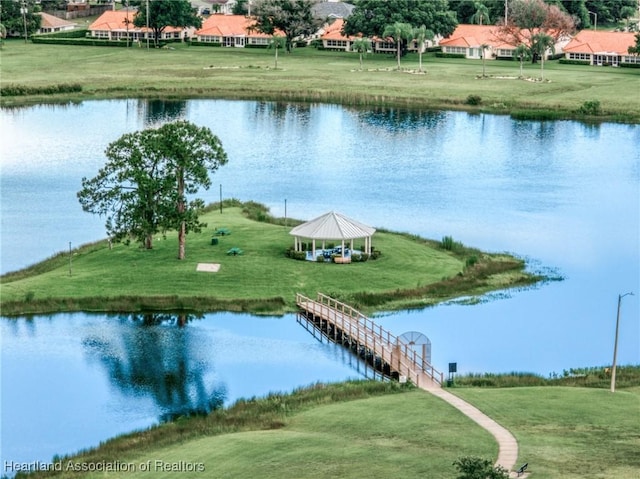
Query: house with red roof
column 118, row 25
column 468, row 40
column 231, row 31
column 602, row 48
column 53, row 24
column 333, row 39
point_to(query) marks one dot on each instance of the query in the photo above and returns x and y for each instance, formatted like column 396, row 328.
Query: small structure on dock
column 332, row 226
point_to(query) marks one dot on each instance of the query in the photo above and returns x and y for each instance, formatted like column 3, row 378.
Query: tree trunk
column 181, row 208
column 148, row 242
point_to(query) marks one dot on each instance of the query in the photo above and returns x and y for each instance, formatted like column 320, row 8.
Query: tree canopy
column 142, row 189
column 294, row 18
column 163, row 14
column 527, row 18
column 12, row 18
column 371, row 17
column 635, row 49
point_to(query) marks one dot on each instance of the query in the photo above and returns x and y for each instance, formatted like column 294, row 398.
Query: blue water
column 563, row 195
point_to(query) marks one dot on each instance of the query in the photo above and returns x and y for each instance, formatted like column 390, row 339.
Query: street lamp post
column 615, row 344
column 595, row 19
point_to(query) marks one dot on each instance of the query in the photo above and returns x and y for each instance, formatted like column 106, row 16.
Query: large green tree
column 610, row 11
column 166, row 13
column 142, row 189
column 14, row 14
column 371, row 17
column 294, row 18
column 527, row 18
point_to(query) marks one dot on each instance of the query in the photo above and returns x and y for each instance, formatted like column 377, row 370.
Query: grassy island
column 410, row 272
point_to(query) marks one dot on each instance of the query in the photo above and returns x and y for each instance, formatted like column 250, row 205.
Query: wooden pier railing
column 348, row 324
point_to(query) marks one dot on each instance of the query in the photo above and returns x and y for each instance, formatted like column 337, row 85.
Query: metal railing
column 399, row 355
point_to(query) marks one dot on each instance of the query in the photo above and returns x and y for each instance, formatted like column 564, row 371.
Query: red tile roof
column 593, row 41
column 473, row 36
column 50, row 21
column 229, row 26
column 112, row 20
column 334, row 31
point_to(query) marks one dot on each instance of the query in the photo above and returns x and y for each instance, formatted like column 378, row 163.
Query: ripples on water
column 563, row 194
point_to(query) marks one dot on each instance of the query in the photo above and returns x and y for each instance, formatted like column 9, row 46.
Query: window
column 462, row 50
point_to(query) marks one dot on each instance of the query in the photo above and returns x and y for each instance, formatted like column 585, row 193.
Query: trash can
column 214, row 241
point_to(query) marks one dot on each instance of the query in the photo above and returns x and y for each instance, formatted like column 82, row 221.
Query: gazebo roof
column 334, row 226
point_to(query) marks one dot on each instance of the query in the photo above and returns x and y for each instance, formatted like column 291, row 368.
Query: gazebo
column 332, row 226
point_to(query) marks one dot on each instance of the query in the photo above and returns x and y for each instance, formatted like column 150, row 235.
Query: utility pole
column 23, row 10
column 147, row 32
column 615, row 344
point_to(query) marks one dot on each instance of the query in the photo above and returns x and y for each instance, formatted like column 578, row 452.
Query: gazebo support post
column 314, row 249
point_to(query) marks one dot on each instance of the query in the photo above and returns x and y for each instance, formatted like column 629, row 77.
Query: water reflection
column 399, row 120
column 153, row 355
column 155, row 112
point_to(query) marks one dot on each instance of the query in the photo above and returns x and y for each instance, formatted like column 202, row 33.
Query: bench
column 341, row 260
column 522, row 469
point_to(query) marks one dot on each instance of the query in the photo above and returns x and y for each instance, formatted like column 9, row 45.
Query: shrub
column 478, row 468
column 590, row 107
column 471, row 261
column 473, row 100
column 320, row 259
column 293, row 254
column 449, row 244
column 22, row 90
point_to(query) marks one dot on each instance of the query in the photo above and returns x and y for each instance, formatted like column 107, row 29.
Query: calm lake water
column 563, row 195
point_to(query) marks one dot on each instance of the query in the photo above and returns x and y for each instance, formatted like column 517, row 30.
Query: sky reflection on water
column 564, row 195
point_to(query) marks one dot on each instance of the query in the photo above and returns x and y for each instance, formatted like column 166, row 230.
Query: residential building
column 51, row 24
column 468, row 40
column 602, row 48
column 118, row 25
column 231, row 31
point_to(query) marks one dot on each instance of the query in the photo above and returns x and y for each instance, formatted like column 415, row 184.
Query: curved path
column 507, row 444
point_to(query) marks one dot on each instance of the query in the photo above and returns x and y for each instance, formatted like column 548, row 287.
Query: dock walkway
column 349, row 327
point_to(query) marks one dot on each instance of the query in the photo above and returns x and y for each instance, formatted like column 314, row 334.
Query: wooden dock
column 344, row 325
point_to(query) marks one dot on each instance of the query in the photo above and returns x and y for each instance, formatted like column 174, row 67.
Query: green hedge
column 450, row 55
column 21, row 90
column 566, row 61
column 91, row 42
column 205, row 44
column 79, row 33
column 629, row 65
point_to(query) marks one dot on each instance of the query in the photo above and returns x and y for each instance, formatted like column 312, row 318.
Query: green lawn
column 262, row 276
column 357, row 432
column 311, row 75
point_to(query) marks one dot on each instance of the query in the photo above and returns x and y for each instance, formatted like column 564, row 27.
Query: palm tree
column 521, row 53
column 540, row 43
column 481, row 15
column 398, row 31
column 361, row 45
column 277, row 42
column 421, row 35
column 483, row 51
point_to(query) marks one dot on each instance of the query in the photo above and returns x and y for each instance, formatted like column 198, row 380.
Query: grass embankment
column 318, row 76
column 369, row 429
column 411, row 272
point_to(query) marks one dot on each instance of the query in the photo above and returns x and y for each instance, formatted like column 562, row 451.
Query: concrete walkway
column 507, row 444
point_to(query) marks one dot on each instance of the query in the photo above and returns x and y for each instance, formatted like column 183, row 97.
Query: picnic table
column 235, row 251
column 222, row 232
